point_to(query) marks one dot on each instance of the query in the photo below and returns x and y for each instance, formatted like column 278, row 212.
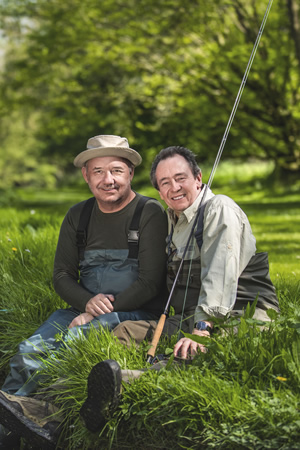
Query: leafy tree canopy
column 160, row 73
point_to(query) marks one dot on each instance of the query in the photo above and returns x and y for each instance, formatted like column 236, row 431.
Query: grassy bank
column 243, row 393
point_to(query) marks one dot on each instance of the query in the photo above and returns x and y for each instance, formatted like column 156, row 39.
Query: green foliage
column 159, row 73
column 21, row 162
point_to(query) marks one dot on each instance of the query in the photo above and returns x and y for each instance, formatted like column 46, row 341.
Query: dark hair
column 169, row 152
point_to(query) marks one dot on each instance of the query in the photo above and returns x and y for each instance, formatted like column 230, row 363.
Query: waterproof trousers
column 22, row 378
column 129, row 331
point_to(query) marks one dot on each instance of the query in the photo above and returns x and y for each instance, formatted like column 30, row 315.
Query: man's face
column 176, row 183
column 109, row 179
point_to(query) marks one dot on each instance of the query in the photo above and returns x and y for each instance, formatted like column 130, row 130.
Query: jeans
column 22, row 379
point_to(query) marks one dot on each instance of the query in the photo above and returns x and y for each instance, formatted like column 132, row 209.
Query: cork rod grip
column 156, row 337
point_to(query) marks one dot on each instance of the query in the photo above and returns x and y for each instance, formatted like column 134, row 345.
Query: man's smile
column 179, row 197
column 109, row 189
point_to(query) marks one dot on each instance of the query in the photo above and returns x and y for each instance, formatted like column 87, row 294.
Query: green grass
column 27, row 247
column 242, row 394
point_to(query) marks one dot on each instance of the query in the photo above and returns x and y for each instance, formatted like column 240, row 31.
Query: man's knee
column 134, row 331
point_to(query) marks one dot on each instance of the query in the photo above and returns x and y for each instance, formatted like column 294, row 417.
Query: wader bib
column 108, row 271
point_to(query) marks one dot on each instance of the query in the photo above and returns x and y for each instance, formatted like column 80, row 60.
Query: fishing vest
column 109, row 271
column 253, row 283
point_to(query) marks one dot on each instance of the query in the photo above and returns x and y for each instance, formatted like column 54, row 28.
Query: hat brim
column 121, row 152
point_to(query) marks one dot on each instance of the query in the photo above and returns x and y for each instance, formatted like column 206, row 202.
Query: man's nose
column 108, row 177
column 175, row 185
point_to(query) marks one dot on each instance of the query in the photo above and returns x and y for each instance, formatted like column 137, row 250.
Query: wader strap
column 133, row 234
column 200, row 226
column 81, row 233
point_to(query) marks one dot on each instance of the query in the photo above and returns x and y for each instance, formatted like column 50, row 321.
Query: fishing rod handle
column 155, row 339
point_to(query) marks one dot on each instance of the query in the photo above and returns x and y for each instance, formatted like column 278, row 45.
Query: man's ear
column 199, row 180
column 131, row 174
column 84, row 173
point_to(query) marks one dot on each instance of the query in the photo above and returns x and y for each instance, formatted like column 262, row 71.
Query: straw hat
column 108, row 145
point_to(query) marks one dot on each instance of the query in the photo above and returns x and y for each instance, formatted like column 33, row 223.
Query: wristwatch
column 202, row 326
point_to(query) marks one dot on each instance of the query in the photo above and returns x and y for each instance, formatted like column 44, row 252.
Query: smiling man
column 110, row 262
column 109, row 179
column 178, row 182
column 221, row 273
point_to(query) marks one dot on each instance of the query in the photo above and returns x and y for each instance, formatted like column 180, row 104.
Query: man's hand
column 100, row 304
column 82, row 319
column 185, row 347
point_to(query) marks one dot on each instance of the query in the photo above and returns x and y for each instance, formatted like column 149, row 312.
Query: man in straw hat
column 109, row 264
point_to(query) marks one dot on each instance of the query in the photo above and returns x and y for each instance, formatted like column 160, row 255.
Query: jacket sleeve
column 228, row 245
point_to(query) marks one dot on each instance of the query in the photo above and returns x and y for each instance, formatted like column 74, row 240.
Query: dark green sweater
column 109, row 231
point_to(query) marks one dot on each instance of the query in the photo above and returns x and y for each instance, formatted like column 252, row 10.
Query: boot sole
column 104, row 385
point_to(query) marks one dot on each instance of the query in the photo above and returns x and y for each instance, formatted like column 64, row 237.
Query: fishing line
column 162, row 319
column 239, row 94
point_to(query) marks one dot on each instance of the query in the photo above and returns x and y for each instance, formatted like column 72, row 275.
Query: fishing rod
column 161, row 322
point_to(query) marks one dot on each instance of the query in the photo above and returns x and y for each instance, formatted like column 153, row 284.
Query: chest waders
column 26, row 364
column 108, row 271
